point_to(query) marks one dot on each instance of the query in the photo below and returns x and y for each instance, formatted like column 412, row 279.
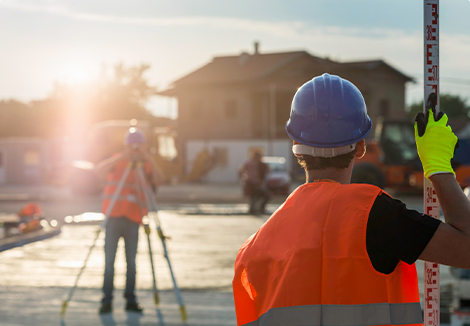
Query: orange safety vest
column 131, row 201
column 308, row 265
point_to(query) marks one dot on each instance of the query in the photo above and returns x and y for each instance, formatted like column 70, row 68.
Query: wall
column 204, row 113
column 236, row 153
column 380, row 87
column 24, row 161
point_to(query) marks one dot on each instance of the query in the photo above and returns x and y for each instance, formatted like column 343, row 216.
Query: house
column 246, row 98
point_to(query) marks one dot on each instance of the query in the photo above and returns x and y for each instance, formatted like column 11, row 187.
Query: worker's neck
column 342, row 176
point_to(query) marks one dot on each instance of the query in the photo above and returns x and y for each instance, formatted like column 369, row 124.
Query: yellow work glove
column 436, row 143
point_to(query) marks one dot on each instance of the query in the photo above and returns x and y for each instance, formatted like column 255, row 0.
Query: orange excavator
column 392, row 161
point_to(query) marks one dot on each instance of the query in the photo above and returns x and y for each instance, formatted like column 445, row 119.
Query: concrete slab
column 41, row 306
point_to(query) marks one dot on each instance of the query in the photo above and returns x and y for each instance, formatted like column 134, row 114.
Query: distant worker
column 337, row 253
column 126, row 215
column 253, row 174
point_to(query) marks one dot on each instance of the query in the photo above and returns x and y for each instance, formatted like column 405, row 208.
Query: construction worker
column 126, row 215
column 337, row 253
column 253, row 174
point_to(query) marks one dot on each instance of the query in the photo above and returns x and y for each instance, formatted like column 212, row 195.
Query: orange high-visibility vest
column 131, row 201
column 308, row 265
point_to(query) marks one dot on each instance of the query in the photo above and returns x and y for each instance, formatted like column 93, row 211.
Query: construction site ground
column 206, row 223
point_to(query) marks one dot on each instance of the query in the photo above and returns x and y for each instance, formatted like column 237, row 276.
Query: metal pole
column 431, row 101
column 150, row 199
column 147, row 233
column 155, row 290
column 152, row 265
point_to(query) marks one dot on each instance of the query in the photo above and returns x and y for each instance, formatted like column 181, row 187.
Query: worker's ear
column 361, row 149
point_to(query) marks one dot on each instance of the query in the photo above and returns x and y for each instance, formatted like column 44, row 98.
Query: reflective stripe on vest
column 131, row 185
column 130, row 198
column 342, row 315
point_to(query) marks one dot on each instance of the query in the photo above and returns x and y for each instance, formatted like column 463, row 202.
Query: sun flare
column 77, row 75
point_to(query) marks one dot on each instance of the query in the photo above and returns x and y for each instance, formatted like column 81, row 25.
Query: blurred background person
column 126, row 215
column 253, row 175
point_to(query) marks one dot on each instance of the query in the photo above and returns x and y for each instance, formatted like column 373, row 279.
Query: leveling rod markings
column 431, row 202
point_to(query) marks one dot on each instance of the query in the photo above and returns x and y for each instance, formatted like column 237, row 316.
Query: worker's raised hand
column 436, row 143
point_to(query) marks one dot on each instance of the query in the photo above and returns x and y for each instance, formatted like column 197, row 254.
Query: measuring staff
column 431, row 102
column 337, row 253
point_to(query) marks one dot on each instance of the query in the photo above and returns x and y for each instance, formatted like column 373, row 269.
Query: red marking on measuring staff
column 428, row 54
column 434, row 13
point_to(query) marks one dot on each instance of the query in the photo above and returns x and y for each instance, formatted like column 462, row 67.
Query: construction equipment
column 152, row 209
column 392, row 161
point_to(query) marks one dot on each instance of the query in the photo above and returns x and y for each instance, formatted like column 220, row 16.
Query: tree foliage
column 453, row 105
column 118, row 93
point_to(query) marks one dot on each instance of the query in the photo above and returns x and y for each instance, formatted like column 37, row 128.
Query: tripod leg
column 152, row 209
column 72, row 290
column 155, row 290
column 108, row 211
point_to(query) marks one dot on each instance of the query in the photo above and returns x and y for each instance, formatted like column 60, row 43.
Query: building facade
column 248, row 96
column 24, row 161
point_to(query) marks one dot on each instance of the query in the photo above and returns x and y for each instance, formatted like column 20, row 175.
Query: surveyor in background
column 253, row 174
column 337, row 253
column 126, row 215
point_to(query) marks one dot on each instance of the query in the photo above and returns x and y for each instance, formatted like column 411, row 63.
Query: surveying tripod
column 152, row 209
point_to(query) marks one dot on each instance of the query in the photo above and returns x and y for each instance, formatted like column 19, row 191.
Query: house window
column 231, row 109
column 384, row 108
column 167, row 147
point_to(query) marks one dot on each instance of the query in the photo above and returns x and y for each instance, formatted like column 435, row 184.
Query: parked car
column 278, row 179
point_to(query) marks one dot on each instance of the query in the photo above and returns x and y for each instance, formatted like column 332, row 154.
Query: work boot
column 106, row 308
column 134, row 306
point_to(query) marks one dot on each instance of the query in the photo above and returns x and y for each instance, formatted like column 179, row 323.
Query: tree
column 453, row 105
column 122, row 94
column 17, row 119
column 119, row 93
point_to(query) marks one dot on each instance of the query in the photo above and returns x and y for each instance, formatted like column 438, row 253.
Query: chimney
column 256, row 44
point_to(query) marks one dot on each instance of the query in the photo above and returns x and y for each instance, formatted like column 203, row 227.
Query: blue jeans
column 115, row 229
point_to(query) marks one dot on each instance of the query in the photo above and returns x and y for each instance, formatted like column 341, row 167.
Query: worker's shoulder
column 358, row 191
column 363, row 187
column 246, row 245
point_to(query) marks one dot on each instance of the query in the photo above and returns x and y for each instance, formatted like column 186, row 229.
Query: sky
column 43, row 41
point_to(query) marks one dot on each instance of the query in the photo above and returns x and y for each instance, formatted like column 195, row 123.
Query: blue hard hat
column 134, row 136
column 327, row 112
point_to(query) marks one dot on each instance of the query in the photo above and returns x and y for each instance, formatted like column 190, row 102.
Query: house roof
column 247, row 67
column 372, row 64
column 241, row 67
